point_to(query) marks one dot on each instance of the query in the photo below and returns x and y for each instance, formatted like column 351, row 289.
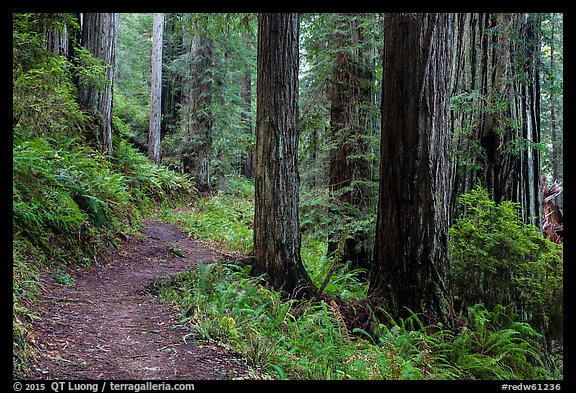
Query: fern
column 69, row 202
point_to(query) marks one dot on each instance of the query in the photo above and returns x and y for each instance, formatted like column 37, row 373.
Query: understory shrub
column 498, row 259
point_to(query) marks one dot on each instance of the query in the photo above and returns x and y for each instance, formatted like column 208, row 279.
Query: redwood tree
column 496, row 108
column 156, row 89
column 350, row 101
column 197, row 118
column 276, row 217
column 411, row 265
column 99, row 37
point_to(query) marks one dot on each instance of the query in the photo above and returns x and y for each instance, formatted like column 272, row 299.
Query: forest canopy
column 402, row 172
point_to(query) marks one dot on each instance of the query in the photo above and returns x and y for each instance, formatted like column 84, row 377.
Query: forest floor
column 109, row 325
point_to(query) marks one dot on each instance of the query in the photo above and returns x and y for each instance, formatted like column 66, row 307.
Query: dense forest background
column 420, row 159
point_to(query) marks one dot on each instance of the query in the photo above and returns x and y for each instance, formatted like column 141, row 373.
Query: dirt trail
column 109, row 326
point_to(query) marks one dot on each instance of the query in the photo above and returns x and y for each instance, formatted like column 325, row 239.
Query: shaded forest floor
column 109, row 325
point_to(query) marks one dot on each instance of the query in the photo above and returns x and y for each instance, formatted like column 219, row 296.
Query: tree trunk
column 527, row 65
column 56, row 33
column 411, row 266
column 197, row 119
column 99, row 37
column 246, row 97
column 349, row 169
column 156, row 89
column 496, row 122
column 553, row 127
column 171, row 82
column 276, row 217
column 555, row 106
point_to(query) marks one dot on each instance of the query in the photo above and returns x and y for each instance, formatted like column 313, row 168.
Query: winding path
column 109, row 326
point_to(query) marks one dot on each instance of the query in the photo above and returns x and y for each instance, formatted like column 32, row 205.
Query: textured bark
column 276, row 221
column 527, row 63
column 553, row 123
column 99, row 37
column 552, row 219
column 555, row 117
column 197, row 119
column 56, row 33
column 411, row 266
column 349, row 169
column 497, row 59
column 156, row 89
column 249, row 166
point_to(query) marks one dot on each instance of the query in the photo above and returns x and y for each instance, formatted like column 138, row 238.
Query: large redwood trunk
column 411, row 266
column 276, row 222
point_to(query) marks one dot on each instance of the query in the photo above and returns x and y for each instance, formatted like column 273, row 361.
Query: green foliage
column 69, row 202
column 315, row 217
column 64, row 278
column 62, row 185
column 44, row 99
column 344, row 282
column 224, row 220
column 498, row 259
column 497, row 346
column 147, row 182
column 290, row 339
column 330, row 42
column 226, row 304
column 205, row 108
column 132, row 85
column 44, row 82
column 552, row 93
column 241, row 187
column 492, row 345
column 25, row 286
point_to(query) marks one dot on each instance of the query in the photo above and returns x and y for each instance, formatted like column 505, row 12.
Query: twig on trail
column 138, row 356
column 100, row 347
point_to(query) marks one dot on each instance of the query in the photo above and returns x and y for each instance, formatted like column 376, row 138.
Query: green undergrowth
column 70, row 202
column 496, row 258
column 224, row 220
column 290, row 339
